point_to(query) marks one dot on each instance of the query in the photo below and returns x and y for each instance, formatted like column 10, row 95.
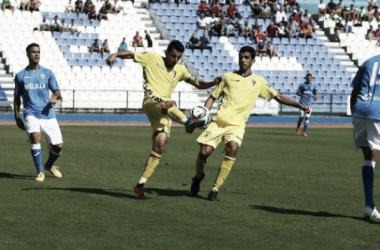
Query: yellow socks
column 200, row 165
column 224, row 171
column 150, row 166
column 177, row 115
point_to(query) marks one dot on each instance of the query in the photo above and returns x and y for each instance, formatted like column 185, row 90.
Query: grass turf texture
column 284, row 192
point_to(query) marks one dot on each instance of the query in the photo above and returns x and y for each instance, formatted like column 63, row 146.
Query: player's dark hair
column 31, row 45
column 248, row 49
column 177, row 45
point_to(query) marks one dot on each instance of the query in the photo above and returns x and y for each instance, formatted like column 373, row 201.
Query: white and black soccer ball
column 201, row 115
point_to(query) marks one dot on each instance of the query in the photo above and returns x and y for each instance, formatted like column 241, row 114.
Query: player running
column 33, row 84
column 160, row 77
column 307, row 91
column 239, row 91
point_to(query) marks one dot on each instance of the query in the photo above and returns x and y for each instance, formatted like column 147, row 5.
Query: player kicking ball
column 239, row 91
column 34, row 84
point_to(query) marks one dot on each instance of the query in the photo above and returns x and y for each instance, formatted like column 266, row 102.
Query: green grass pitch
column 284, row 192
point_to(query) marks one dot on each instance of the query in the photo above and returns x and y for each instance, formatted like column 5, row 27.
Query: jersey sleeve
column 357, row 81
column 267, row 92
column 186, row 75
column 143, row 58
column 18, row 87
column 315, row 90
column 53, row 85
column 299, row 89
column 218, row 91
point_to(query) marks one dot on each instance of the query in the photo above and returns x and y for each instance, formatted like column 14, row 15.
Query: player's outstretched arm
column 16, row 108
column 287, row 101
column 199, row 84
column 122, row 54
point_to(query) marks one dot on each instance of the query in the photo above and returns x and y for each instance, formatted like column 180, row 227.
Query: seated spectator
column 214, row 9
column 347, row 28
column 256, row 27
column 138, row 41
column 257, row 11
column 370, row 33
column 261, row 50
column 204, row 41
column 307, row 31
column 117, row 7
column 361, row 15
column 272, row 30
column 352, row 13
column 79, row 6
column 292, row 5
column 240, row 23
column 292, row 28
column 376, row 14
column 87, row 6
column 280, row 14
column 70, row 7
column 284, row 22
column 55, row 25
column 9, row 5
column 203, row 8
column 64, row 26
column 330, row 7
column 217, row 29
column 306, row 17
column 281, row 32
column 247, row 30
column 73, row 27
column 148, row 39
column 231, row 10
column 230, row 29
column 45, row 24
column 95, row 47
column 123, row 46
column 336, row 13
column 223, row 20
column 211, row 20
column 24, row 4
column 194, row 42
column 222, row 10
column 267, row 11
column 233, row 21
column 261, row 36
column 338, row 29
column 92, row 15
column 202, row 23
column 370, row 11
column 296, row 16
column 322, row 8
column 271, row 51
column 105, row 10
column 372, row 3
column 105, row 47
column 34, row 5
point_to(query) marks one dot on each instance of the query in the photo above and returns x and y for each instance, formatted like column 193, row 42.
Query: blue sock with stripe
column 305, row 125
column 368, row 173
column 53, row 156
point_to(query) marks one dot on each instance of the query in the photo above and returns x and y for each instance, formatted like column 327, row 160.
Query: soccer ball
column 200, row 115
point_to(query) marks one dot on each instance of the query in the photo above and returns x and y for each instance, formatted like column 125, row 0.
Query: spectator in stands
column 280, row 14
column 123, row 46
column 281, row 31
column 55, row 25
column 370, row 33
column 223, row 20
column 292, row 5
column 87, row 6
column 292, row 28
column 73, row 27
column 261, row 50
column 373, row 3
column 296, row 16
column 284, row 22
column 352, row 13
column 203, row 8
column 105, row 47
column 230, row 29
column 306, row 17
column 231, row 10
column 257, row 11
column 117, row 7
column 338, row 29
column 222, row 10
column 217, row 29
column 247, row 30
column 34, row 5
column 347, row 28
column 95, row 47
column 202, row 22
column 370, row 11
column 148, row 39
column 260, row 36
column 330, row 7
column 64, row 26
column 105, row 10
column 92, row 15
column 267, row 11
column 214, row 9
column 240, row 23
column 79, row 6
column 307, row 31
column 194, row 42
column 272, row 30
column 271, row 51
column 322, row 7
column 233, row 21
column 45, row 24
column 211, row 20
column 376, row 13
column 361, row 15
column 205, row 42
column 9, row 5
column 138, row 41
column 336, row 13
column 70, row 7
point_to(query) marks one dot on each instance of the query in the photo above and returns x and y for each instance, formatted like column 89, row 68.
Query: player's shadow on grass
column 110, row 192
column 166, row 192
column 15, row 176
column 309, row 213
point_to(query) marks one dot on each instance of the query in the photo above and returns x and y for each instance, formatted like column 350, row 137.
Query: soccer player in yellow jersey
column 160, row 76
column 239, row 91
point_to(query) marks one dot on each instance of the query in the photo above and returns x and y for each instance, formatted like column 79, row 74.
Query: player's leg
column 300, row 119
column 204, row 152
column 170, row 109
column 306, row 124
column 52, row 132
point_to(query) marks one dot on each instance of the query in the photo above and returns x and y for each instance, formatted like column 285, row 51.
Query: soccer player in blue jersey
column 33, row 84
column 308, row 92
column 365, row 108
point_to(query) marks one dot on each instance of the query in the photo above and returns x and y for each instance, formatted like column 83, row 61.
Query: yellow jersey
column 239, row 94
column 158, row 81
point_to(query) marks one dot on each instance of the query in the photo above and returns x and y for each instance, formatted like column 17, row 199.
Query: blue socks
column 53, row 156
column 37, row 157
column 305, row 125
column 368, row 173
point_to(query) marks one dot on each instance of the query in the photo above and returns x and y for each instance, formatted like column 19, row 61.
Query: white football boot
column 370, row 213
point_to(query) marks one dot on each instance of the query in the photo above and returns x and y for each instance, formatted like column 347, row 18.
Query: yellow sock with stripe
column 200, row 165
column 224, row 171
column 151, row 165
column 177, row 115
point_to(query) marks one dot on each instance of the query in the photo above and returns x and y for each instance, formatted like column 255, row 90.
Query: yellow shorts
column 215, row 133
column 158, row 121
